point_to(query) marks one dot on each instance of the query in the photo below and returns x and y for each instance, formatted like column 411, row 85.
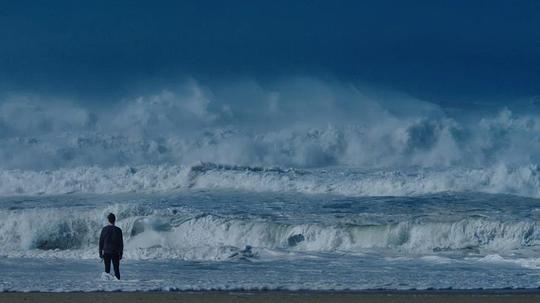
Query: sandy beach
column 263, row 297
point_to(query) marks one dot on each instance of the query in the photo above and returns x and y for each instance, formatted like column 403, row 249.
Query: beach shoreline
column 375, row 296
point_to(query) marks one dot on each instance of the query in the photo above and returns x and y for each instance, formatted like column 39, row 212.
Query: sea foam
column 170, row 234
column 523, row 180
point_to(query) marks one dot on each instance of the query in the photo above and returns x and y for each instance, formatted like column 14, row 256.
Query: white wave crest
column 523, row 180
column 301, row 123
column 167, row 234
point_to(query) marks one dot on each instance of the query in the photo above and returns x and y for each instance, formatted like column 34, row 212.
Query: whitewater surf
column 215, row 193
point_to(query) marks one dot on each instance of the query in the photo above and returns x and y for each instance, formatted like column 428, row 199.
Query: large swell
column 521, row 180
column 278, row 136
column 275, row 179
column 294, row 123
column 171, row 233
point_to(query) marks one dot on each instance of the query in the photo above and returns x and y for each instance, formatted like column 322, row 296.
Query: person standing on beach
column 111, row 246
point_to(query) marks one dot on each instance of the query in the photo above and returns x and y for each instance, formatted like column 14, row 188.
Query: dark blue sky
column 447, row 51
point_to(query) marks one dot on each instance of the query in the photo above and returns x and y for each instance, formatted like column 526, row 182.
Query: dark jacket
column 111, row 241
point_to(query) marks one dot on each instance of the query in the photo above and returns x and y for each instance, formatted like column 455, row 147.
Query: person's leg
column 107, row 260
column 116, row 265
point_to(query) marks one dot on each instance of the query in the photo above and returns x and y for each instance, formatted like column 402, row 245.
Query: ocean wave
column 532, row 263
column 522, row 180
column 300, row 123
column 171, row 234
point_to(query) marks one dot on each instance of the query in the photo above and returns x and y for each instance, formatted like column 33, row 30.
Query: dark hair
column 111, row 217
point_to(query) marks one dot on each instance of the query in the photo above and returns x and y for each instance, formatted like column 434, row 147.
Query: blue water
column 231, row 239
column 293, row 184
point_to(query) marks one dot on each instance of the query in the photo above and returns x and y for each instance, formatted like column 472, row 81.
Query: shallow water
column 233, row 239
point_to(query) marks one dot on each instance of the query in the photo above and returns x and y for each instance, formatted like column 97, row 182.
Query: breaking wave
column 283, row 136
column 298, row 122
column 523, row 181
column 174, row 234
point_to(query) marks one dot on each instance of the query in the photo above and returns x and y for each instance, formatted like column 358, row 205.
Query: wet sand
column 263, row 297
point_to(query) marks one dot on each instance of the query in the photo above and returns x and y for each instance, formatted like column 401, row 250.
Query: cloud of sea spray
column 296, row 122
